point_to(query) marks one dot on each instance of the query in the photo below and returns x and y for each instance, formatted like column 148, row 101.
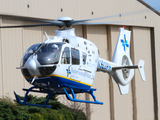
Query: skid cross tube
column 25, row 99
column 73, row 98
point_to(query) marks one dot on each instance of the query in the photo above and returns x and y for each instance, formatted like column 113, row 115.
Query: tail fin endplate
column 141, row 69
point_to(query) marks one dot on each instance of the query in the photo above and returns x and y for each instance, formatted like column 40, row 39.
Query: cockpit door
column 85, row 67
column 70, row 64
column 65, row 63
column 75, row 66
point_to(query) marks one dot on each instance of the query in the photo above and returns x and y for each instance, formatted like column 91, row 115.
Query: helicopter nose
column 32, row 67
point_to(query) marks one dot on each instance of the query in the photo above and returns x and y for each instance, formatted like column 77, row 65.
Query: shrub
column 36, row 116
column 10, row 110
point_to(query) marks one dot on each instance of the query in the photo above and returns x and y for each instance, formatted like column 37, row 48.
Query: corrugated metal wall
column 138, row 104
column 143, row 90
column 98, row 35
column 1, row 73
column 122, row 104
column 11, row 46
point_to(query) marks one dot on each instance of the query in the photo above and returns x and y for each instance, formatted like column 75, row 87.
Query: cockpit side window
column 84, row 57
column 75, row 56
column 66, row 56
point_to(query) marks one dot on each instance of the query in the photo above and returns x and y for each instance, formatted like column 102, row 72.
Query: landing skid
column 73, row 98
column 25, row 99
column 71, row 91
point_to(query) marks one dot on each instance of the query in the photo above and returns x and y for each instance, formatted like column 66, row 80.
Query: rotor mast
column 66, row 20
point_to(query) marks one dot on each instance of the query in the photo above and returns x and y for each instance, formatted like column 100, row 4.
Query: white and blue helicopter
column 67, row 64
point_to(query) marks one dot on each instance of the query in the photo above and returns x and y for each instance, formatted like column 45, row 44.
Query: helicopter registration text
column 104, row 66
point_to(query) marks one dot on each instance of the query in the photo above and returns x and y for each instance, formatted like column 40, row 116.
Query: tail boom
column 105, row 66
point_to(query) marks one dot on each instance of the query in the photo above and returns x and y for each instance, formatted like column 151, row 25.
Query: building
column 143, row 100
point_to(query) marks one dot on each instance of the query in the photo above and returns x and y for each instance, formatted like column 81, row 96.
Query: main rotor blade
column 101, row 23
column 111, row 16
column 18, row 26
column 77, row 22
column 33, row 20
column 56, row 23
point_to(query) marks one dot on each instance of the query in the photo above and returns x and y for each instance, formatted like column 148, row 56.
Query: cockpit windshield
column 28, row 53
column 49, row 53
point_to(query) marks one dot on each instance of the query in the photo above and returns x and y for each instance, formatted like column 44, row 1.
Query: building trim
column 148, row 6
column 154, row 74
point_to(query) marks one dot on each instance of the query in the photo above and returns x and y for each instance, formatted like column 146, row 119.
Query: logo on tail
column 124, row 43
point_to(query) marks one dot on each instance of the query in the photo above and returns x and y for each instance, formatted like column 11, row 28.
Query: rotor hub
column 65, row 19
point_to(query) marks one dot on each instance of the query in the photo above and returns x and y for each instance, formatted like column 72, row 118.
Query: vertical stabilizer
column 121, row 57
column 122, row 46
column 123, row 89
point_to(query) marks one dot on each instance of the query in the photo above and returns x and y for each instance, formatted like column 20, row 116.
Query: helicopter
column 67, row 64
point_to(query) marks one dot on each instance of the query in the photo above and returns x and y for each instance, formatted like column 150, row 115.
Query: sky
column 154, row 3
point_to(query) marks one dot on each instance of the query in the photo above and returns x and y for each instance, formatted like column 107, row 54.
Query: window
column 49, row 53
column 75, row 57
column 84, row 56
column 66, row 56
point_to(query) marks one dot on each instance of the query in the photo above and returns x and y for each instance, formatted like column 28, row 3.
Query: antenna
column 46, row 35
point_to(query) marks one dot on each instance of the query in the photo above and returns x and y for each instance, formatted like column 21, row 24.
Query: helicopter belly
column 53, row 81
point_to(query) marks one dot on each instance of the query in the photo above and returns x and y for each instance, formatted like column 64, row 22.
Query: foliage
column 10, row 110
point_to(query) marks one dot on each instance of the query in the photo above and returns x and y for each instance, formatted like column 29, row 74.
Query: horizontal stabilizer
column 141, row 69
column 125, row 67
column 140, row 66
column 124, row 89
